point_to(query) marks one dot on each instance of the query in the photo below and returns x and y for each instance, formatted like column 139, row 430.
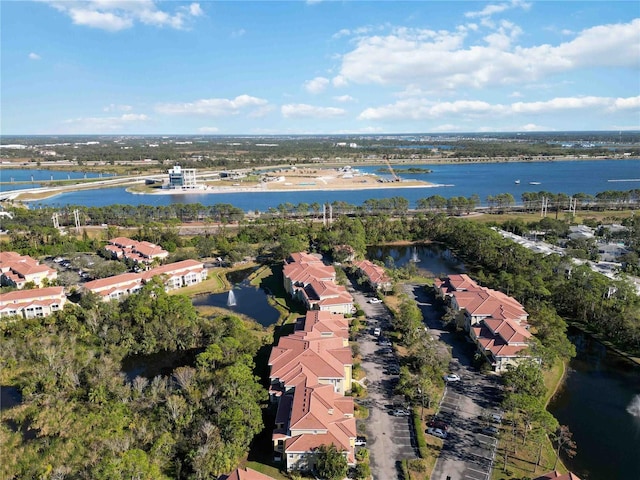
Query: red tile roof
column 174, row 268
column 115, row 281
column 247, row 474
column 32, row 294
column 130, row 280
column 16, row 267
column 375, row 273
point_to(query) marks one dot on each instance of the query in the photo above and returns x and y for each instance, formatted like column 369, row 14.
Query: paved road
column 466, row 454
column 390, row 438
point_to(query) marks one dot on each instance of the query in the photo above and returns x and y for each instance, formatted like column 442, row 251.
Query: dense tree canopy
column 85, row 417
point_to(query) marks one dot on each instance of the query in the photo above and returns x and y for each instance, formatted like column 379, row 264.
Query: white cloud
column 344, row 98
column 339, row 81
column 195, row 10
column 317, row 85
column 34, row 56
column 493, row 9
column 346, row 32
column 441, row 61
column 213, row 106
column 104, row 124
column 301, row 110
column 423, row 109
column 238, row 33
column 532, row 127
column 208, row 129
column 112, row 107
column 116, row 15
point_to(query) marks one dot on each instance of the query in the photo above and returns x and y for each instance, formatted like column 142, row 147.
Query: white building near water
column 182, row 178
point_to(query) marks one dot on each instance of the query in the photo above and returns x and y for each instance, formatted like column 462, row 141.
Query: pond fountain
column 231, row 299
column 243, row 298
column 634, row 406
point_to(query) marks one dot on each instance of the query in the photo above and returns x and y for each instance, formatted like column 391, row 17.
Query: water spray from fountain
column 231, row 299
column 634, row 406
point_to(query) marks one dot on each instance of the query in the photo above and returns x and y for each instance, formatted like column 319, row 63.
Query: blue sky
column 318, row 67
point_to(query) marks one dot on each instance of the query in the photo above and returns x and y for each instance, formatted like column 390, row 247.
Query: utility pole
column 76, row 218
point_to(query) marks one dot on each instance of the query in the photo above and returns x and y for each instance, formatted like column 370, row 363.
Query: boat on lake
column 534, row 183
column 517, row 182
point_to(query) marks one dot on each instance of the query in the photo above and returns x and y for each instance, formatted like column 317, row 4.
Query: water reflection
column 247, row 299
column 9, row 397
column 594, row 402
column 159, row 363
column 430, row 259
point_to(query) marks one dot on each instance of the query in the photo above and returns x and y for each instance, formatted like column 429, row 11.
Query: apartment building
column 37, row 302
column 174, row 275
column 138, row 252
column 496, row 322
column 310, row 281
column 17, row 270
column 376, row 275
column 311, row 370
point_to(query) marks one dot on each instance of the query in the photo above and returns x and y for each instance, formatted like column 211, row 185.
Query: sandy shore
column 302, row 180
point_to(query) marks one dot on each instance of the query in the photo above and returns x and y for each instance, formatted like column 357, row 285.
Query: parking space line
column 481, row 456
column 484, row 476
column 481, row 472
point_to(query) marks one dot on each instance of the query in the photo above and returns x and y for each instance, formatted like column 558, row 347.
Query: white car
column 361, row 442
column 400, row 412
column 436, row 432
column 374, row 300
column 452, row 377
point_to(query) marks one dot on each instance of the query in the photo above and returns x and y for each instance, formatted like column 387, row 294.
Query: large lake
column 35, row 176
column 483, row 179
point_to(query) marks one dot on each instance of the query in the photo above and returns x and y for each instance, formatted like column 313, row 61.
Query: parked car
column 452, row 377
column 491, row 431
column 392, row 370
column 436, row 423
column 400, row 412
column 377, row 332
column 496, row 417
column 361, row 442
column 436, row 432
column 374, row 300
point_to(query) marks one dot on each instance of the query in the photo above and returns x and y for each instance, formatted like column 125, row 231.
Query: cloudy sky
column 318, row 67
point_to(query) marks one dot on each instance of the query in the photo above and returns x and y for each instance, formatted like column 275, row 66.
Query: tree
column 526, row 379
column 331, row 463
column 363, row 471
column 565, row 443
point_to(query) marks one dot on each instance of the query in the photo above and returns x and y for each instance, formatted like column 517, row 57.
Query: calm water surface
column 597, row 402
column 430, row 260
column 249, row 300
column 483, row 179
column 39, row 175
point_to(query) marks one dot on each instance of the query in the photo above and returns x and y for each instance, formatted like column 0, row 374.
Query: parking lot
column 389, row 431
column 467, row 406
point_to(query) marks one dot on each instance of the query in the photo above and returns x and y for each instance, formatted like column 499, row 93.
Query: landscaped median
column 428, row 448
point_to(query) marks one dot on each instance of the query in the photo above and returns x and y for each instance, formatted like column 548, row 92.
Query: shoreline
column 223, row 190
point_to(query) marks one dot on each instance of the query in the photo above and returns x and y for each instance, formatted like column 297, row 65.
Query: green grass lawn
column 522, row 456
